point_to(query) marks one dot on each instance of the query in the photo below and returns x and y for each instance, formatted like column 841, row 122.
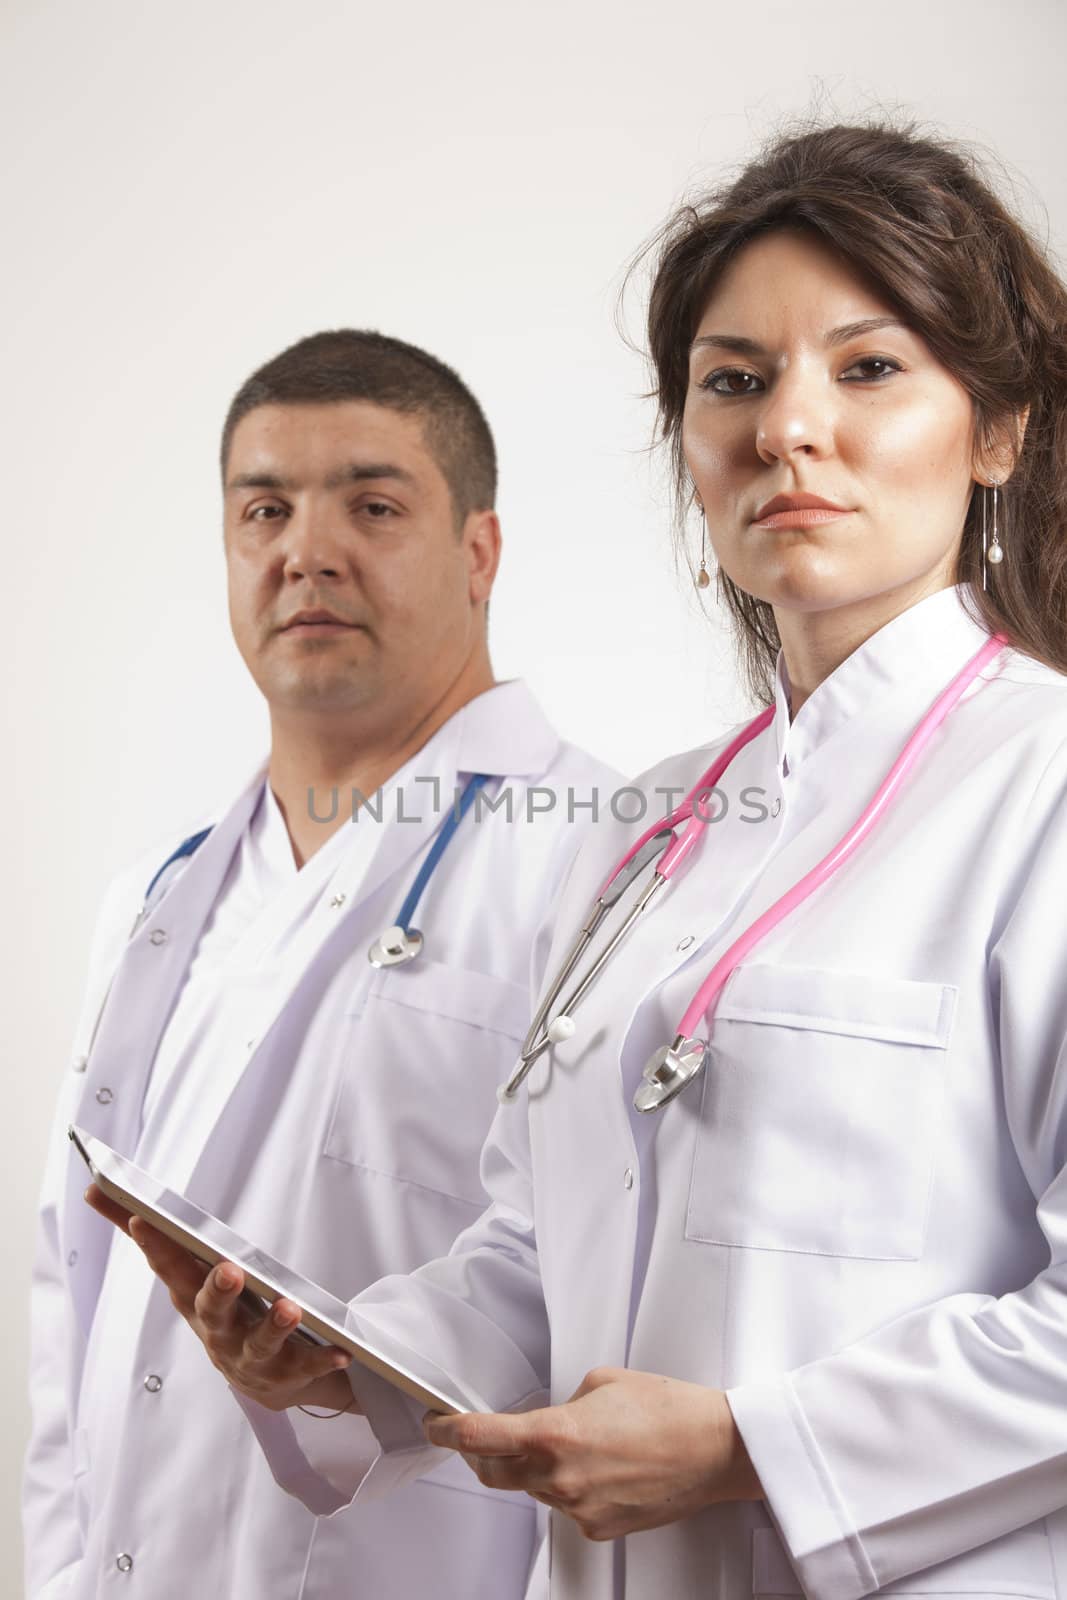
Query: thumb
column 482, row 1433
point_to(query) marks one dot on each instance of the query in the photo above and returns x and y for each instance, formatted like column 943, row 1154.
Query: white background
column 188, row 189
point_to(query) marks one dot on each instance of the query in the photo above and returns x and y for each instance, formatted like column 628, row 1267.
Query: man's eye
column 264, row 513
column 868, row 363
column 378, row 509
column 729, row 380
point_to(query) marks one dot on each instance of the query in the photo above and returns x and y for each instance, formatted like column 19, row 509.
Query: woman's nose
column 796, row 418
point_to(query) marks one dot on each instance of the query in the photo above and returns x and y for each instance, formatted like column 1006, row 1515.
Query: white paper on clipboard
column 323, row 1315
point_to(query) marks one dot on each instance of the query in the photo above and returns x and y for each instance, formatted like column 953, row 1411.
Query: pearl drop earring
column 703, row 577
column 994, row 554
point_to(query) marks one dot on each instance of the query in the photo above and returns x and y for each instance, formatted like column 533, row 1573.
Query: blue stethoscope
column 401, row 941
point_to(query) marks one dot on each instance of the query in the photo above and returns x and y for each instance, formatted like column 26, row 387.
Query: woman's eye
column 729, row 380
column 870, row 362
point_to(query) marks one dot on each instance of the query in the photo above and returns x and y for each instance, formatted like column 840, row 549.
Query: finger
column 506, row 1472
column 482, row 1433
column 267, row 1337
column 178, row 1268
column 549, row 1500
column 270, row 1342
column 217, row 1296
column 108, row 1208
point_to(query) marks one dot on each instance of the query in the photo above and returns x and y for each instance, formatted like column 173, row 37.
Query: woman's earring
column 703, row 577
column 995, row 552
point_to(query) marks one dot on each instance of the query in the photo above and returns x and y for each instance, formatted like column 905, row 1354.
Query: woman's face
column 793, row 393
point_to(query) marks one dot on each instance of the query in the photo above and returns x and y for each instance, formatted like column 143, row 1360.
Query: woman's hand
column 254, row 1353
column 628, row 1451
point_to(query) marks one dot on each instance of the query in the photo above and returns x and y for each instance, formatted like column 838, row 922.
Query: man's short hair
column 359, row 364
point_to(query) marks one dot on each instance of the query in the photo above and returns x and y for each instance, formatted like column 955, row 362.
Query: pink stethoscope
column 674, row 1066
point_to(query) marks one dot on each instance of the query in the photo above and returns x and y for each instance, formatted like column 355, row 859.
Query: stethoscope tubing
column 438, row 848
column 677, row 850
column 702, row 1004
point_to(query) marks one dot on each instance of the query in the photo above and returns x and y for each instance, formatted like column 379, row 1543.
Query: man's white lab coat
column 338, row 1123
column 856, row 1224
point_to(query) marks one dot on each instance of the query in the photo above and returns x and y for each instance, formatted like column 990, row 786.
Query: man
column 239, row 1044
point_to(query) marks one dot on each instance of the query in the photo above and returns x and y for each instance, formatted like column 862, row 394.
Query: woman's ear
column 997, row 456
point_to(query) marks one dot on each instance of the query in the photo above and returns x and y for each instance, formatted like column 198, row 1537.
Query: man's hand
column 254, row 1354
column 628, row 1451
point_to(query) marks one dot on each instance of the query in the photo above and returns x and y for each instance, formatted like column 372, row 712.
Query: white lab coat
column 857, row 1224
column 345, row 1137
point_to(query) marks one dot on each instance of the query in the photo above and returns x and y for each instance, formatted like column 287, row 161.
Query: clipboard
column 324, row 1318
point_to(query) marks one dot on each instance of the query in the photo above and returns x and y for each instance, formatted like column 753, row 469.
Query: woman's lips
column 801, row 517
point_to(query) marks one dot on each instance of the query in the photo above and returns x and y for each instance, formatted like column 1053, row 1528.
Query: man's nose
column 797, row 418
column 314, row 544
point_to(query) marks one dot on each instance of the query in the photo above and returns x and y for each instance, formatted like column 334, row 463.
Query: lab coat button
column 157, row 936
column 80, row 1063
column 153, row 1383
column 777, row 806
column 338, row 900
column 72, row 1258
column 683, row 944
column 628, row 1178
column 104, row 1096
column 124, row 1562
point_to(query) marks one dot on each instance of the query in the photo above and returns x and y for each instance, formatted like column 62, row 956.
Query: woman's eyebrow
column 841, row 335
column 856, row 330
column 729, row 341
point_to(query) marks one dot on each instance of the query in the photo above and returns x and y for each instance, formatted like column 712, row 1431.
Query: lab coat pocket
column 817, row 1122
column 418, row 1089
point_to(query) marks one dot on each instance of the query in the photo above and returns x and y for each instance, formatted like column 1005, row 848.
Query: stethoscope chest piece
column 394, row 946
column 671, row 1069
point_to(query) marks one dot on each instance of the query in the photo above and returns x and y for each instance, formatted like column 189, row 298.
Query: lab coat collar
column 504, row 732
column 500, row 732
column 915, row 654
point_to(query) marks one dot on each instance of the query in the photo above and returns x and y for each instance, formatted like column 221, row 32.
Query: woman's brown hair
column 917, row 217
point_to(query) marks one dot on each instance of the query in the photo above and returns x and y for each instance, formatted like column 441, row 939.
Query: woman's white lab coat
column 857, row 1223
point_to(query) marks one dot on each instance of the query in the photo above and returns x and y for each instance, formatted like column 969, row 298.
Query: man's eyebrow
column 354, row 472
column 256, row 480
column 841, row 335
column 364, row 471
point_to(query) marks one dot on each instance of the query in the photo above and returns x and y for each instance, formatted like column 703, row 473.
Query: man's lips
column 317, row 622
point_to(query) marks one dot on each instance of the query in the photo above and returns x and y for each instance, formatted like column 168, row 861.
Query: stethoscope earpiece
column 671, row 1069
column 394, row 946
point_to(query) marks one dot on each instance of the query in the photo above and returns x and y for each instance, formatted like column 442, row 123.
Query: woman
column 804, row 1329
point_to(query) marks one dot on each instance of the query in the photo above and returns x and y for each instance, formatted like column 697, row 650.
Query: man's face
column 349, row 583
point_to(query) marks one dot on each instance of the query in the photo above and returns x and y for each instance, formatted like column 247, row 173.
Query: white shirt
column 856, row 1224
column 258, row 923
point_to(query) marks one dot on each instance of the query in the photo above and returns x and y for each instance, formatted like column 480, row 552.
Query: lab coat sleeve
column 477, row 1314
column 51, row 1535
column 50, row 1528
column 947, row 1428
